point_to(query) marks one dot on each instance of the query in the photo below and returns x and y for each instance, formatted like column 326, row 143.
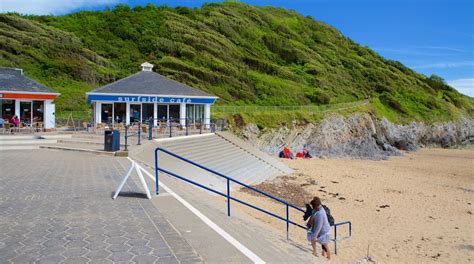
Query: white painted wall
column 207, row 115
column 17, row 108
column 127, row 113
column 97, row 112
column 182, row 114
column 155, row 114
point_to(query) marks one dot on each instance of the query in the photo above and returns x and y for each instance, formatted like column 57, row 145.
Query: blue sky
column 430, row 36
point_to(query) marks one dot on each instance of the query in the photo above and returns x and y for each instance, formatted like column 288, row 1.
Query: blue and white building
column 146, row 95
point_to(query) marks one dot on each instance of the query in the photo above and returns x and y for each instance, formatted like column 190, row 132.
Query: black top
column 12, row 80
column 148, row 82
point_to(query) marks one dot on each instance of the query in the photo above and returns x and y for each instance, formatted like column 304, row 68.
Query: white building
column 146, row 95
column 31, row 101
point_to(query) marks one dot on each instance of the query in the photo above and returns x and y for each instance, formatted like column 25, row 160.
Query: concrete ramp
column 221, row 152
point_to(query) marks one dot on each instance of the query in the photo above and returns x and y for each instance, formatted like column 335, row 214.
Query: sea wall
column 360, row 136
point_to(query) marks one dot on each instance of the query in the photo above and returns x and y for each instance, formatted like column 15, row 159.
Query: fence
column 234, row 109
column 230, row 198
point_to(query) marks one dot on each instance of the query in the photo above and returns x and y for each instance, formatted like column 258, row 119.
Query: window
column 147, row 112
column 162, row 112
column 174, row 113
column 7, row 109
column 25, row 112
column 135, row 113
column 120, row 112
column 106, row 114
column 38, row 111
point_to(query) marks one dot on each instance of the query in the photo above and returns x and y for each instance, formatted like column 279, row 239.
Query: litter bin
column 112, row 140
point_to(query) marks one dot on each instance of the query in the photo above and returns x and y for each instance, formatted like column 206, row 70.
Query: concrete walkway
column 268, row 244
column 56, row 207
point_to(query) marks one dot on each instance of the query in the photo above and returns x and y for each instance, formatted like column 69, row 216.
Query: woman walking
column 318, row 228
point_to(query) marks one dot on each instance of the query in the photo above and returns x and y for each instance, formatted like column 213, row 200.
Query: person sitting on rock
column 306, row 154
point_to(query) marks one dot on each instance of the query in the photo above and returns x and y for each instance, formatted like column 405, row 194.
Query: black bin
column 112, row 140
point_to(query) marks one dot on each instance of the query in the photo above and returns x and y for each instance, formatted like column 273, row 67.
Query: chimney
column 146, row 66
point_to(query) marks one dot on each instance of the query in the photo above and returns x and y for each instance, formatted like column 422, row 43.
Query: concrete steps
column 224, row 155
column 12, row 142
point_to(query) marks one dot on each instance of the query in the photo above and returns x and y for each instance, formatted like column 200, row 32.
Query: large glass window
column 199, row 109
column 174, row 112
column 7, row 109
column 120, row 112
column 135, row 113
column 147, row 112
column 190, row 113
column 38, row 111
column 106, row 114
column 162, row 111
column 25, row 112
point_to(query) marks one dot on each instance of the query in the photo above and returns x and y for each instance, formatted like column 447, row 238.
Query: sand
column 417, row 208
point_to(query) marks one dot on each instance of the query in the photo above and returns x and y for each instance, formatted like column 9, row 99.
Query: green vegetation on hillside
column 241, row 53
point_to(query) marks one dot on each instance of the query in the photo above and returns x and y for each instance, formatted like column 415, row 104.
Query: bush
column 391, row 101
column 319, row 97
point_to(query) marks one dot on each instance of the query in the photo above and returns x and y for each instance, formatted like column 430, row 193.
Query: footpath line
column 234, row 242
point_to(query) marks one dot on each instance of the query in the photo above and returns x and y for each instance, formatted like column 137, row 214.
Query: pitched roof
column 13, row 80
column 148, row 82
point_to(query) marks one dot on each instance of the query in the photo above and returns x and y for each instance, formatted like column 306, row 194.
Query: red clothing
column 287, row 153
column 15, row 121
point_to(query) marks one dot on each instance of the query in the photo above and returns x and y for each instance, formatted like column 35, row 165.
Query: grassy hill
column 241, row 53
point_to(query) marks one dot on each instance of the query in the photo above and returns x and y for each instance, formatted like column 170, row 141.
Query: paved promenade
column 56, row 207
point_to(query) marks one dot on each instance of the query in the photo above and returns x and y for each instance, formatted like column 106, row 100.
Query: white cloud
column 443, row 65
column 464, row 86
column 47, row 7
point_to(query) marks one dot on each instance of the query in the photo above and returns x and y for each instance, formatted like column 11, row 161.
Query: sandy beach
column 417, row 208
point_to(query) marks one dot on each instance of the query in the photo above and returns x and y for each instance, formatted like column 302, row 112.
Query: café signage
column 149, row 99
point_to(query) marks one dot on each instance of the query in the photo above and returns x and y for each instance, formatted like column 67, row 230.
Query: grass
column 244, row 54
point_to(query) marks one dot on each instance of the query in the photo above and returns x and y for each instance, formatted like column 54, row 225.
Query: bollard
column 186, row 123
column 139, row 132
column 126, row 137
column 171, row 126
column 200, row 126
column 150, row 129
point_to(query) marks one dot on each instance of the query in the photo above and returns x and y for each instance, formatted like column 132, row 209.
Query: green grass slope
column 241, row 53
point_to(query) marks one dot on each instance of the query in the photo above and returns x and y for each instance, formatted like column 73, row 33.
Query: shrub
column 318, row 96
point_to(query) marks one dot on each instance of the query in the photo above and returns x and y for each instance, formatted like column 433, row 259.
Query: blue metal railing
column 229, row 197
column 189, row 126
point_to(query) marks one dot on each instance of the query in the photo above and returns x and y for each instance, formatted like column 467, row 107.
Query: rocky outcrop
column 360, row 136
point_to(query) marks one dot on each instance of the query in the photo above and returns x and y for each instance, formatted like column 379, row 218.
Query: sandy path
column 429, row 193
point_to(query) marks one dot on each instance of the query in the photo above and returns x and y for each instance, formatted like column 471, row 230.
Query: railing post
column 228, row 198
column 139, row 133
column 186, row 123
column 287, row 222
column 156, row 173
column 200, row 126
column 171, row 126
column 126, row 137
column 335, row 239
column 150, row 129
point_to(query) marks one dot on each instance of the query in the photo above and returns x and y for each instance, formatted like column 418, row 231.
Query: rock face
column 360, row 136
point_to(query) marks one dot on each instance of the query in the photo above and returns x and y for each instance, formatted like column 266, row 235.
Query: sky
column 430, row 36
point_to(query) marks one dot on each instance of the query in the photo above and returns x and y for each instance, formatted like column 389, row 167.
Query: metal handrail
column 212, row 124
column 229, row 197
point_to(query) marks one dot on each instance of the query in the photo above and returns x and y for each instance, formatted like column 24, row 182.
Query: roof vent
column 146, row 66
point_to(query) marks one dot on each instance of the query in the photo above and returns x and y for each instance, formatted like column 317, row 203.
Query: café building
column 147, row 94
column 26, row 98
